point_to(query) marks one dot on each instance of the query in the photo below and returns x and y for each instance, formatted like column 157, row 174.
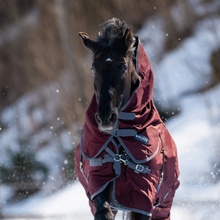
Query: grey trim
column 115, row 204
column 102, row 188
column 165, row 196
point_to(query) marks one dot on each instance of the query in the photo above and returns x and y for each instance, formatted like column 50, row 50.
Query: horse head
column 114, row 70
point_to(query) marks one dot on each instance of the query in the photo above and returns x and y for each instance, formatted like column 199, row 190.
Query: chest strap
column 119, row 159
column 125, row 158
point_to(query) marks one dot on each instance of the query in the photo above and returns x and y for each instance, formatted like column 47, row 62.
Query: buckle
column 124, row 159
column 139, row 168
column 121, row 158
column 117, row 158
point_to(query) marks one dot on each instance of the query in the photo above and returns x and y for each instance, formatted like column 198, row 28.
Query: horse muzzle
column 106, row 123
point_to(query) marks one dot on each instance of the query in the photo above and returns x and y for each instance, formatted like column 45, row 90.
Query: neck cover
column 139, row 158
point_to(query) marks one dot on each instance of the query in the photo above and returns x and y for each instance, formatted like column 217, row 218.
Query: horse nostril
column 97, row 118
column 113, row 117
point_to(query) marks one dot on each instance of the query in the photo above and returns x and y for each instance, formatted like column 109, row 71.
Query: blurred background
column 46, row 85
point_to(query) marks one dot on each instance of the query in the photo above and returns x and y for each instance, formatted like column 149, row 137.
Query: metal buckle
column 119, row 158
column 125, row 161
column 139, row 168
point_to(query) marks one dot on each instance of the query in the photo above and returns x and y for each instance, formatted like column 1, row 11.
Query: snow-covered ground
column 196, row 131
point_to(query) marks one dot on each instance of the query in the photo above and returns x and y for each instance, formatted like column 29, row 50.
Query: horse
column 126, row 159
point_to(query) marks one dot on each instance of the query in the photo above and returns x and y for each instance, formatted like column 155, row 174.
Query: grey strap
column 132, row 157
column 126, row 116
column 99, row 161
column 101, row 149
column 131, row 133
column 118, row 159
column 126, row 133
column 138, row 168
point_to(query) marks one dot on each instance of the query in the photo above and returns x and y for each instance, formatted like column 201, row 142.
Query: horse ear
column 128, row 38
column 88, row 42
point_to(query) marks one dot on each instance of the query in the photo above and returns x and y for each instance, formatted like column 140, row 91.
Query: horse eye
column 124, row 68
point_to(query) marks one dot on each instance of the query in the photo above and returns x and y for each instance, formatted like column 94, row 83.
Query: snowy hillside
column 196, row 130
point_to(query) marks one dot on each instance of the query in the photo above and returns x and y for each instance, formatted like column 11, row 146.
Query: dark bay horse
column 126, row 159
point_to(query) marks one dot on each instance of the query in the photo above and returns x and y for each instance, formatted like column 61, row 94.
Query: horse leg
column 103, row 209
column 138, row 216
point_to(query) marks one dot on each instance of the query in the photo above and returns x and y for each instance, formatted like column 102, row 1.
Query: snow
column 197, row 136
column 66, row 204
column 71, row 201
column 196, row 131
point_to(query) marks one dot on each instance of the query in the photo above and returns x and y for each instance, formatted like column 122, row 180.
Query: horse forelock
column 111, row 29
column 110, row 34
